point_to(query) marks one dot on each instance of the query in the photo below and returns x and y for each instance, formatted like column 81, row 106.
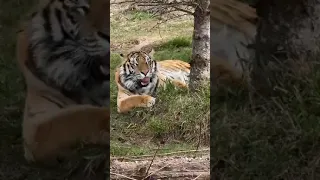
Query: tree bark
column 99, row 15
column 288, row 31
column 200, row 61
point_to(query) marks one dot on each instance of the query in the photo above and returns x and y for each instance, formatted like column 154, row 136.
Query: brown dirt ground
column 171, row 167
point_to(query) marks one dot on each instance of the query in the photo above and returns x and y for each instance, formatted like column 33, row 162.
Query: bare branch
column 161, row 7
column 122, row 2
column 183, row 10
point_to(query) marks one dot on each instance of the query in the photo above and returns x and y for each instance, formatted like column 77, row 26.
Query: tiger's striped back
column 174, row 70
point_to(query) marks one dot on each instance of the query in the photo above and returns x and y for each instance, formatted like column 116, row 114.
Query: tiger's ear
column 151, row 53
column 123, row 57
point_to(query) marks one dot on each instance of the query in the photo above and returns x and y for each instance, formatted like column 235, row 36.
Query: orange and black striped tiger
column 68, row 53
column 65, row 63
column 140, row 75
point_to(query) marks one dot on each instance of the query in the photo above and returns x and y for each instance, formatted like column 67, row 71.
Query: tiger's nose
column 145, row 72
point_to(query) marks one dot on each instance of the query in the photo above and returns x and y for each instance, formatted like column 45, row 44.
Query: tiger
column 65, row 65
column 232, row 36
column 139, row 77
column 68, row 54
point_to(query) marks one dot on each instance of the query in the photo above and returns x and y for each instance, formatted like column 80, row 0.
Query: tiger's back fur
column 233, row 29
column 175, row 71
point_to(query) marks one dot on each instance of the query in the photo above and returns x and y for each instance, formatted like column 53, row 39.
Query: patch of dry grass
column 130, row 27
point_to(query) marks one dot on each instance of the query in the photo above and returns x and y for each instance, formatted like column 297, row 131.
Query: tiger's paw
column 150, row 101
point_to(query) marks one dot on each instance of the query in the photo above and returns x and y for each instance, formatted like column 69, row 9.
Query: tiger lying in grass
column 140, row 75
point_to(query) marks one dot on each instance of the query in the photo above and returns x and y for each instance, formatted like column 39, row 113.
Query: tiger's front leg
column 127, row 103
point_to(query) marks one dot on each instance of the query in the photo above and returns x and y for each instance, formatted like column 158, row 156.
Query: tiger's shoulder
column 174, row 65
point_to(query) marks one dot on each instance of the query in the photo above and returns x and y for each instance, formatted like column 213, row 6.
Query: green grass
column 178, row 119
column 177, row 42
column 140, row 15
column 176, row 48
column 119, row 149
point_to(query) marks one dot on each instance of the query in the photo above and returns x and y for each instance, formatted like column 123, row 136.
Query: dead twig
column 155, row 153
column 154, row 172
column 197, row 176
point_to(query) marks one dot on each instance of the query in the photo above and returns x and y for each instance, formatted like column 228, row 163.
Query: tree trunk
column 288, row 31
column 200, row 61
column 99, row 15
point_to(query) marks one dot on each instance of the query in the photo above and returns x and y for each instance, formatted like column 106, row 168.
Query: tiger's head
column 79, row 26
column 138, row 71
